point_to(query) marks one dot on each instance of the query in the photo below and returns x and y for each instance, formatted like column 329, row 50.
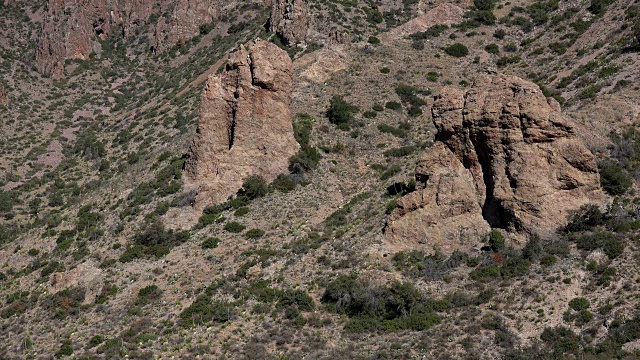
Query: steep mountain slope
column 104, row 255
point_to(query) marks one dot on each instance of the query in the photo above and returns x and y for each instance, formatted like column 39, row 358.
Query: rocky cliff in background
column 504, row 157
column 245, row 125
column 289, row 21
column 71, row 27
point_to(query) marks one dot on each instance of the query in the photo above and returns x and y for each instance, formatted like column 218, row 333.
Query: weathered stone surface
column 86, row 275
column 289, row 20
column 443, row 14
column 245, row 125
column 504, row 157
column 71, row 27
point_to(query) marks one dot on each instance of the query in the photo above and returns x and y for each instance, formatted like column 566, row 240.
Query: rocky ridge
column 504, row 157
column 245, row 126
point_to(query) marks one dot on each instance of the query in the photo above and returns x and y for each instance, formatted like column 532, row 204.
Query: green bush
column 241, row 211
column 414, row 111
column 373, row 40
column 253, row 187
column 492, row 48
column 409, row 94
column 579, row 304
column 234, row 227
column 614, row 179
column 254, row 233
column 457, row 50
column 401, row 151
column 284, row 183
column 210, row 243
column 393, row 105
column 496, row 241
column 341, row 113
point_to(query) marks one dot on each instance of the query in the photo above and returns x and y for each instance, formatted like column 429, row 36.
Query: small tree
column 457, row 50
column 341, row 112
column 496, row 240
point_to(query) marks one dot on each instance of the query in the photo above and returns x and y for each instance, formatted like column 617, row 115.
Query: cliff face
column 289, row 20
column 504, row 157
column 71, row 27
column 245, row 126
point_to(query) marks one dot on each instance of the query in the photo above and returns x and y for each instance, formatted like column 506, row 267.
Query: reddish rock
column 288, row 20
column 245, row 125
column 504, row 157
column 71, row 27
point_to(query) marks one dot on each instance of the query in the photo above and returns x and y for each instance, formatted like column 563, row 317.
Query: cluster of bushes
column 205, row 310
column 341, row 113
column 371, row 308
column 65, row 302
column 400, row 131
column 153, row 241
column 253, row 187
column 409, row 95
column 282, row 299
column 307, row 157
column 340, row 217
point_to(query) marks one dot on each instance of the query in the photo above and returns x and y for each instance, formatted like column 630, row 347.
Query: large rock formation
column 71, row 27
column 289, row 21
column 504, row 157
column 245, row 124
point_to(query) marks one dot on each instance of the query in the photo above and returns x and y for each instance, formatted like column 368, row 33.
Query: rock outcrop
column 245, row 125
column 504, row 157
column 71, row 27
column 289, row 21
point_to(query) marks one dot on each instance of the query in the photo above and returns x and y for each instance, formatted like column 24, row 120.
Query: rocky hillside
column 297, row 179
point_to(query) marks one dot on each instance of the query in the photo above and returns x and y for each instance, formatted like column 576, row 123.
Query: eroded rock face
column 504, row 157
column 71, row 27
column 245, row 126
column 289, row 20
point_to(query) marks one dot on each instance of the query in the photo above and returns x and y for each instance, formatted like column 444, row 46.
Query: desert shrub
column 254, row 233
column 341, row 113
column 7, row 201
column 384, row 128
column 495, row 240
column 588, row 217
column 153, row 240
column 205, row 310
column 234, row 227
column 307, row 157
column 369, row 114
column 148, row 294
column 373, row 40
column 579, row 303
column 385, row 70
column 409, row 94
column 506, row 60
column 433, row 31
column 414, row 111
column 253, row 187
column 561, row 340
column 64, row 303
column 210, row 243
column 393, row 105
column 499, row 34
column 397, row 307
column 241, row 211
column 456, row 50
column 284, row 183
column 390, row 172
column 401, row 151
column 614, row 179
column 492, row 48
column 607, row 241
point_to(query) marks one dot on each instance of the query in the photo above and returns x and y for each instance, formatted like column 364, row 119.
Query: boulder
column 245, row 124
column 504, row 157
